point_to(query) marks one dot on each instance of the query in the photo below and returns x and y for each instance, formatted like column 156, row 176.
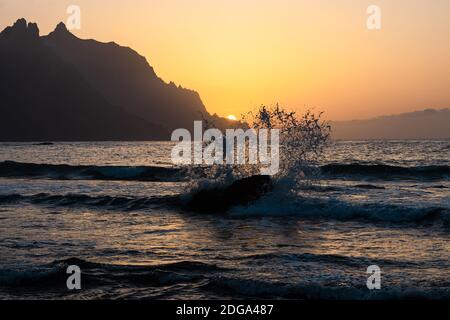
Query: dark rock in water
column 240, row 192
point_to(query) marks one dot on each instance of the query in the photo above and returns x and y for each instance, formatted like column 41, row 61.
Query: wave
column 386, row 171
column 270, row 205
column 258, row 289
column 11, row 169
column 311, row 208
column 206, row 278
column 108, row 202
column 349, row 261
column 94, row 274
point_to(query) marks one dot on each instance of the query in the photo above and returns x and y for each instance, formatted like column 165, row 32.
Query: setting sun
column 232, row 117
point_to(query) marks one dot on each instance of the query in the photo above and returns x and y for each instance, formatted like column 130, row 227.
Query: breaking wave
column 208, row 278
column 75, row 200
column 273, row 204
column 279, row 204
column 11, row 169
column 386, row 171
column 54, row 274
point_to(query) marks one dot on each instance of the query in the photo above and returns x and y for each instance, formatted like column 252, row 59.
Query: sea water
column 113, row 209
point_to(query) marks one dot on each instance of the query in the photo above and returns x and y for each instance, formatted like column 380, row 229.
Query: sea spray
column 302, row 140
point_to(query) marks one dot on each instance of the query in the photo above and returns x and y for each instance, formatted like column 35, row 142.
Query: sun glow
column 232, row 117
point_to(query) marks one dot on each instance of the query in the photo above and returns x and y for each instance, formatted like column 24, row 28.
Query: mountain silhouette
column 59, row 87
column 124, row 77
column 425, row 124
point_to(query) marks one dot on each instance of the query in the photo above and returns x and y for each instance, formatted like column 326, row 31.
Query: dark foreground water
column 114, row 210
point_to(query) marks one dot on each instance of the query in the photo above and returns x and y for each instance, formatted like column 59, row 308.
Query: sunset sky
column 239, row 54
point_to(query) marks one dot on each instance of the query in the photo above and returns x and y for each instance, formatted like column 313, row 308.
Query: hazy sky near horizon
column 239, row 54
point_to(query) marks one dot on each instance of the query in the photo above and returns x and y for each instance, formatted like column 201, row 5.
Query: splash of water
column 303, row 139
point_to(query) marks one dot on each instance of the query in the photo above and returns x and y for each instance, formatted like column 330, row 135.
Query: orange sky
column 239, row 54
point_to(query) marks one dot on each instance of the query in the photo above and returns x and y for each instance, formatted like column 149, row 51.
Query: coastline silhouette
column 62, row 88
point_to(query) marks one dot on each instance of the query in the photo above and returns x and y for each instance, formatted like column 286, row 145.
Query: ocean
column 114, row 209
